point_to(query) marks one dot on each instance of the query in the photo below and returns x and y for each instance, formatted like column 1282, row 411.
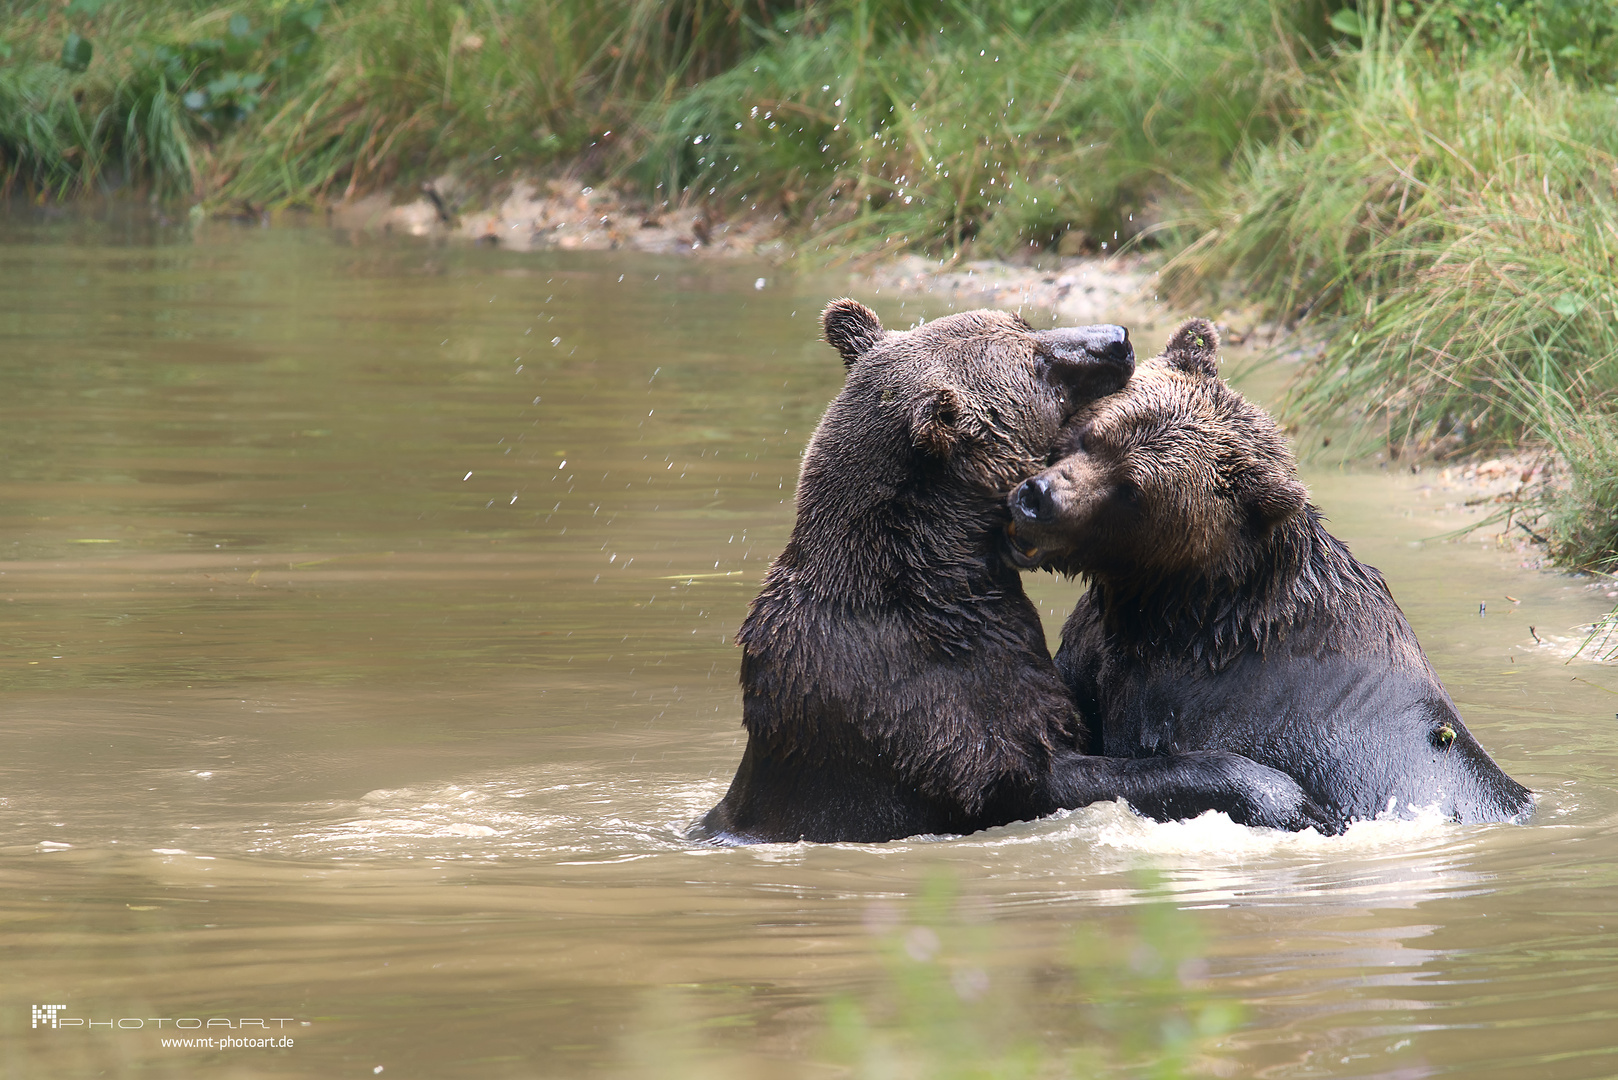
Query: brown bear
column 895, row 677
column 1222, row 615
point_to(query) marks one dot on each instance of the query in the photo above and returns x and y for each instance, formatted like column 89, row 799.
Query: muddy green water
column 364, row 649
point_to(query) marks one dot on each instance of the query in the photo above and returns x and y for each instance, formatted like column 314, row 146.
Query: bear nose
column 1032, row 500
column 1088, row 361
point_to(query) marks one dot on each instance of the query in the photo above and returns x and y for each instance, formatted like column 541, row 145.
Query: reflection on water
column 366, row 612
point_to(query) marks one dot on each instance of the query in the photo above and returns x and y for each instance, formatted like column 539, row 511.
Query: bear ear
column 1272, row 497
column 851, row 328
column 935, row 422
column 1194, row 348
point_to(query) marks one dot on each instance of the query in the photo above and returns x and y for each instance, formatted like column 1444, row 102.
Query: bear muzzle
column 1032, row 504
column 1087, row 362
column 1033, row 501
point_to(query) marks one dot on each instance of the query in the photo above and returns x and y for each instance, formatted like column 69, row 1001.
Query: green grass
column 1449, row 226
column 284, row 101
column 978, row 130
column 1584, row 516
column 1082, row 112
column 406, row 86
column 100, row 93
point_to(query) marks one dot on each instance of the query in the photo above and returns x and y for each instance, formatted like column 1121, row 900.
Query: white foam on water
column 1214, row 837
column 522, row 815
column 1212, row 861
column 1592, row 643
column 566, row 817
column 1211, row 838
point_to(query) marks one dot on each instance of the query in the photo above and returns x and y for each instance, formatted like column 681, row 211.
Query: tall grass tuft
column 101, row 93
column 983, row 124
column 280, row 101
column 1450, row 227
column 43, row 142
column 409, row 86
column 1584, row 516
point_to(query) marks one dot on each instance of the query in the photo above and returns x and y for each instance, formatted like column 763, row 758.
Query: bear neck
column 1297, row 589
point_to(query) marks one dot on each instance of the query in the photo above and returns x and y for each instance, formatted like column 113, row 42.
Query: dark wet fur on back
column 1274, row 597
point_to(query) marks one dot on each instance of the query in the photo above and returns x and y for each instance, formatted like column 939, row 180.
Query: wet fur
column 895, row 677
column 1222, row 614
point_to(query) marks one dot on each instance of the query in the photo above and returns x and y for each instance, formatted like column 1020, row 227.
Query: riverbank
column 565, row 214
column 1508, row 493
column 1429, row 192
column 570, row 215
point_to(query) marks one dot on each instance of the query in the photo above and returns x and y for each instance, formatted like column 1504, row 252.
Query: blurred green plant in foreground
column 948, row 1004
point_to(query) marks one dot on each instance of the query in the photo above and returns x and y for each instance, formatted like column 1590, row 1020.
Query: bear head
column 980, row 396
column 1175, row 474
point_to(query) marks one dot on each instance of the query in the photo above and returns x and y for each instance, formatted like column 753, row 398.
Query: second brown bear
column 1222, row 615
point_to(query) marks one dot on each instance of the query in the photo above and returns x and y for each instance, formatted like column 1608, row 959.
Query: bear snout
column 1033, row 505
column 1033, row 501
column 1088, row 362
